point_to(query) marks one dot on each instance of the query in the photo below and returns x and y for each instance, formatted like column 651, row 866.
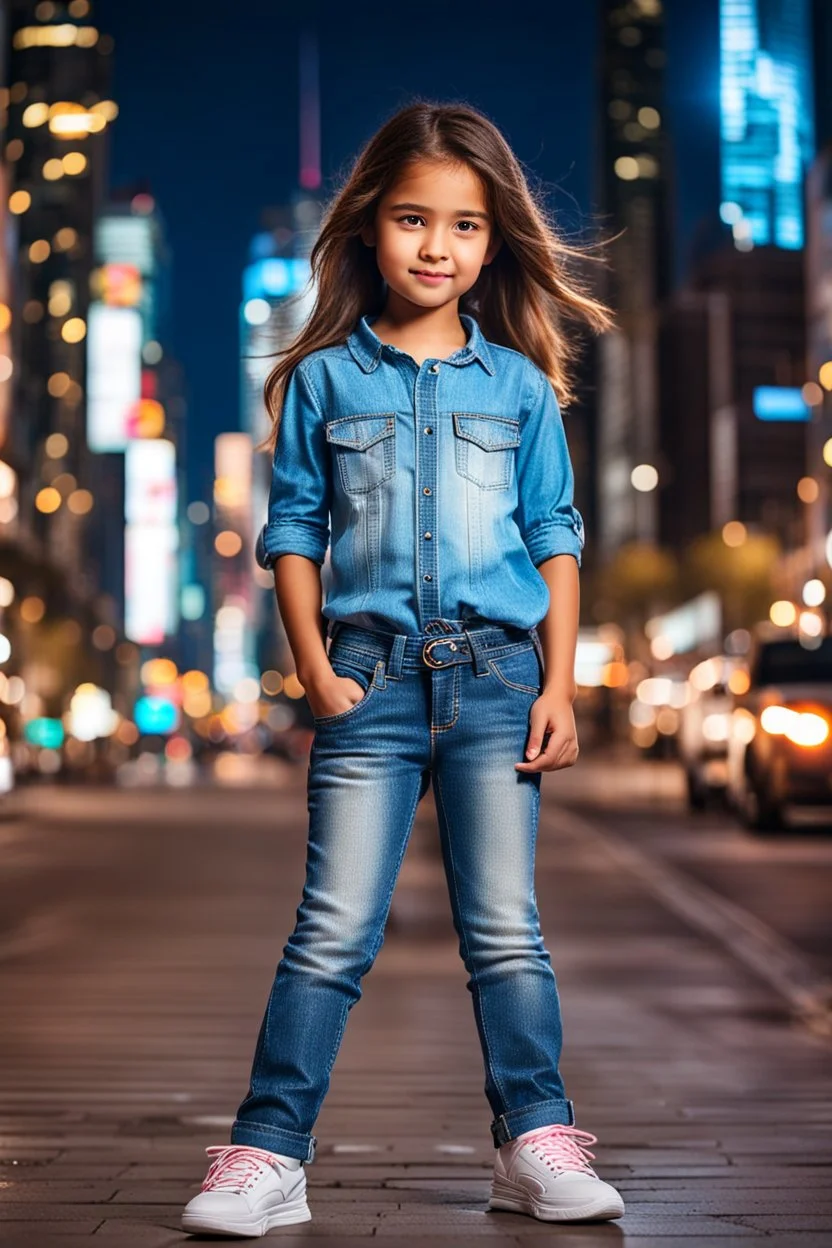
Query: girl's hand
column 551, row 714
column 333, row 694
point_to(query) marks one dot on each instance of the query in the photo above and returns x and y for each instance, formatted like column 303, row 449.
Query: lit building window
column 65, row 238
column 74, row 330
column 766, row 126
column 19, row 201
column 39, row 251
column 62, row 35
column 35, row 115
column 74, row 162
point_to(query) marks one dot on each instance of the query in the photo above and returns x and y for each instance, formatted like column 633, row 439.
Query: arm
column 553, row 531
column 558, row 629
column 294, row 542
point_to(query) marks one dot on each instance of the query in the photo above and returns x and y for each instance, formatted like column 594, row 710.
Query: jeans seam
column 451, row 722
column 339, row 1033
column 374, row 952
column 464, row 932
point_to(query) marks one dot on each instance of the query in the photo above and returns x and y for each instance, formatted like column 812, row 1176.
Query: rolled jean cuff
column 275, row 1139
column 543, row 1114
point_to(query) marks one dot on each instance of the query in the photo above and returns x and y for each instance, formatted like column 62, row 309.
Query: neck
column 403, row 324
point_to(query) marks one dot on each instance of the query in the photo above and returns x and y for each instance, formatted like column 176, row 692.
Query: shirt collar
column 367, row 347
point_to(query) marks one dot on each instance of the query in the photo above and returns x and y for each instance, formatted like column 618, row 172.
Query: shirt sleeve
column 549, row 522
column 300, row 493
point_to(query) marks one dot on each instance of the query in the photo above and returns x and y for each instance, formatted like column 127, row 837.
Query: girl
column 417, row 415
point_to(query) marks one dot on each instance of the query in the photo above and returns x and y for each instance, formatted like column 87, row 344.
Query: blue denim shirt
column 445, row 484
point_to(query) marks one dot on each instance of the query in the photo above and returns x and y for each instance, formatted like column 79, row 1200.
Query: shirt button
column 434, row 368
column 426, row 490
column 428, row 536
column 428, row 429
column 427, row 577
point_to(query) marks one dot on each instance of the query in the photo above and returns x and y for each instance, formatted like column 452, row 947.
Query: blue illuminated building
column 766, row 119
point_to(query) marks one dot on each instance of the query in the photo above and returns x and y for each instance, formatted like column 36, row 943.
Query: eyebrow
column 467, row 212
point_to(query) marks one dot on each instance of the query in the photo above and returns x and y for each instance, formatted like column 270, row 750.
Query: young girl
column 417, row 415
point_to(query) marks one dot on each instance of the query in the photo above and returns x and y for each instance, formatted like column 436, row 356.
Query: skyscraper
column 59, row 111
column 767, row 119
column 633, row 193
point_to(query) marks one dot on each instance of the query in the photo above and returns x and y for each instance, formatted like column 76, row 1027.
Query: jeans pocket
column 520, row 670
column 367, row 680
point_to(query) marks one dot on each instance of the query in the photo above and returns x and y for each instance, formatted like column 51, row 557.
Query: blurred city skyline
column 209, row 116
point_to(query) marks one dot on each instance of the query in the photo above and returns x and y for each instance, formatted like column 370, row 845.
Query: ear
column 493, row 247
column 368, row 235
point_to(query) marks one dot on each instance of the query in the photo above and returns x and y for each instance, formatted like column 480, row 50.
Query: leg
column 364, row 783
column 488, row 818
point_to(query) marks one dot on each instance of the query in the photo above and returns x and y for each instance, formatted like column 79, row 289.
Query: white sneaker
column 247, row 1191
column 545, row 1173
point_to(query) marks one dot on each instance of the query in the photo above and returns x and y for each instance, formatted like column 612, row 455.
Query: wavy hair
column 520, row 299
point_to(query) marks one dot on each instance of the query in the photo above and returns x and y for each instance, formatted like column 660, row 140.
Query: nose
column 432, row 248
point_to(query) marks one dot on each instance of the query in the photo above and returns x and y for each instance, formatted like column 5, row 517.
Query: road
column 140, row 933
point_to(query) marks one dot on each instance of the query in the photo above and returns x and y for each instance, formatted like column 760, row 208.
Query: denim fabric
column 448, row 706
column 445, row 484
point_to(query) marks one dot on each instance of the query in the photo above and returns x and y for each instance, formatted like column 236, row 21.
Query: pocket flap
column 359, row 432
column 492, row 433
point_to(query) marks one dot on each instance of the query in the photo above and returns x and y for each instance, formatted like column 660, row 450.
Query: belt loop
column 396, row 657
column 331, row 630
column 477, row 657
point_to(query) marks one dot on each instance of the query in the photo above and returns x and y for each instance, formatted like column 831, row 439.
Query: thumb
column 537, row 731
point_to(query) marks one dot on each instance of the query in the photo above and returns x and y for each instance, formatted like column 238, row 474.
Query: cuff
column 563, row 538
column 289, row 538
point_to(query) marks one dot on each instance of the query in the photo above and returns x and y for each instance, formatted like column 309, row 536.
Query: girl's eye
column 412, row 216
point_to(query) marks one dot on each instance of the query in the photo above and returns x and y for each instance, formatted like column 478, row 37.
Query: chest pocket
column 365, row 448
column 485, row 448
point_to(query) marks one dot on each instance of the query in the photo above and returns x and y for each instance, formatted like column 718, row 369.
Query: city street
column 139, row 931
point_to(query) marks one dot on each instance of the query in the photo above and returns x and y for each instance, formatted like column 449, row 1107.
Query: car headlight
column 800, row 727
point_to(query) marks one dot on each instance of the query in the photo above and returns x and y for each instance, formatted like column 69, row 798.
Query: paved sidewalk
column 147, row 929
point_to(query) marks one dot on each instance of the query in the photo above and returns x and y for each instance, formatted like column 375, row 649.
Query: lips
column 429, row 273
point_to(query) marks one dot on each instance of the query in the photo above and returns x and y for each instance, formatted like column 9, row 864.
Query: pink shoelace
column 565, row 1146
column 234, row 1165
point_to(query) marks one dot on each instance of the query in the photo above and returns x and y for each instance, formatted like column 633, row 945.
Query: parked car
column 703, row 738
column 780, row 746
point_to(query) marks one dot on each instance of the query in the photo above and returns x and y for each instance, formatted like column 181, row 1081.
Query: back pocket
column 485, row 448
column 365, row 448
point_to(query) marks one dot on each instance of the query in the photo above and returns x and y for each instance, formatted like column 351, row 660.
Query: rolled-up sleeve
column 549, row 522
column 299, row 497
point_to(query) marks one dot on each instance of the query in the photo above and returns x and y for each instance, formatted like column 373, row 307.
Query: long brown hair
column 519, row 300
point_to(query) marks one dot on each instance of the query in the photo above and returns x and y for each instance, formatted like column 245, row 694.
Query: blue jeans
column 449, row 705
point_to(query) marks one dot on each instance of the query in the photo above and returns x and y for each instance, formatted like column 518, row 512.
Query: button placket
column 427, row 470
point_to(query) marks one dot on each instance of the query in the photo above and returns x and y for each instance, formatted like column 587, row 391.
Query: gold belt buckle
column 428, row 646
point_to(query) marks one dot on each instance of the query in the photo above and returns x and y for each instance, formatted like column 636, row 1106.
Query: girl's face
column 433, row 219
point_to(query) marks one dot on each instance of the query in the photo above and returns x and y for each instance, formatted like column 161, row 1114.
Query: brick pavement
column 147, row 928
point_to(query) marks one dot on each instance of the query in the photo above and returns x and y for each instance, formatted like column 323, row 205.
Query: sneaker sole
column 286, row 1215
column 510, row 1199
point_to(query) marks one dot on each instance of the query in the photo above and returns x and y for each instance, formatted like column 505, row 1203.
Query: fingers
column 548, row 750
column 562, row 751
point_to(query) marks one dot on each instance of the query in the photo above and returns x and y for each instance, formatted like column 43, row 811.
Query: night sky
column 208, row 98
